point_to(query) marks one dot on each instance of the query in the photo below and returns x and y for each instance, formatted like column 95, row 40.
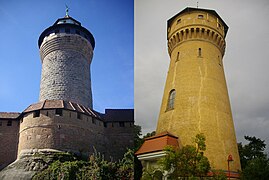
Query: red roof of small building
column 158, row 143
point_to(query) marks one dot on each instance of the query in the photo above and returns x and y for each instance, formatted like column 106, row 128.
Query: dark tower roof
column 189, row 9
column 66, row 22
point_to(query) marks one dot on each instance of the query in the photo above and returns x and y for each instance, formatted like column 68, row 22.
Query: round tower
column 66, row 50
column 195, row 97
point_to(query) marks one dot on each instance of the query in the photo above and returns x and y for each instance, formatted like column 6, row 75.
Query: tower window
column 200, row 16
column 93, row 121
column 171, row 100
column 105, row 124
column 36, row 114
column 67, row 30
column 121, row 124
column 177, row 56
column 79, row 116
column 0, row 123
column 219, row 60
column 58, row 112
column 199, row 52
column 9, row 123
column 178, row 21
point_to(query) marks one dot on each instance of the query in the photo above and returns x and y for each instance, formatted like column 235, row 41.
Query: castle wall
column 66, row 62
column 69, row 132
column 120, row 136
column 8, row 141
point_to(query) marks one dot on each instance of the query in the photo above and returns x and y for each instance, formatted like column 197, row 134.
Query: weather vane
column 66, row 10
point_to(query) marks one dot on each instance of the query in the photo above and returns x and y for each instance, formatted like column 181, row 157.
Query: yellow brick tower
column 195, row 97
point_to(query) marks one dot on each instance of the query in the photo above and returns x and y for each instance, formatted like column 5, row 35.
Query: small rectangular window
column 105, row 125
column 121, row 124
column 79, row 116
column 200, row 16
column 59, row 112
column 36, row 113
column 93, row 121
column 9, row 123
column 0, row 123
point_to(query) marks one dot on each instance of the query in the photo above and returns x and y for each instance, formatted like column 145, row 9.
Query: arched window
column 171, row 100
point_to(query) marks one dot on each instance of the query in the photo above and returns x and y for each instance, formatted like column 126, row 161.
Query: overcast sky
column 246, row 60
column 110, row 22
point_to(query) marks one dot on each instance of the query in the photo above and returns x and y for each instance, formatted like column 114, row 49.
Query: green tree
column 254, row 162
column 138, row 141
column 188, row 161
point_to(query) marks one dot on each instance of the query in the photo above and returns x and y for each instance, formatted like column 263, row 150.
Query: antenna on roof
column 66, row 10
column 197, row 4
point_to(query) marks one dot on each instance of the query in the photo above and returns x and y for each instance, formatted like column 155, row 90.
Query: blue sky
column 112, row 68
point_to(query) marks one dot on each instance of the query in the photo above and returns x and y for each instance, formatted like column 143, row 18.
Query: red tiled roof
column 61, row 104
column 9, row 115
column 158, row 143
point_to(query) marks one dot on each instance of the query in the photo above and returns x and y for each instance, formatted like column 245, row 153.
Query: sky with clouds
column 112, row 72
column 245, row 62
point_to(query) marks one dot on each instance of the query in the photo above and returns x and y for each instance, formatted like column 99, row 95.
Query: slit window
column 79, row 116
column 171, row 100
column 178, row 21
column 36, row 114
column 9, row 123
column 177, row 56
column 199, row 52
column 121, row 124
column 0, row 123
column 59, row 112
column 105, row 124
column 93, row 121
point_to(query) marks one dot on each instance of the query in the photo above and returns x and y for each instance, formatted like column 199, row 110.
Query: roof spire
column 66, row 11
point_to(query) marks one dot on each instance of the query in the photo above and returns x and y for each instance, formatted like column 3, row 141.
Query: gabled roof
column 189, row 9
column 158, row 143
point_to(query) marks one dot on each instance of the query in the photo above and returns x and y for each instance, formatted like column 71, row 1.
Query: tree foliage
column 138, row 141
column 95, row 168
column 188, row 161
column 254, row 162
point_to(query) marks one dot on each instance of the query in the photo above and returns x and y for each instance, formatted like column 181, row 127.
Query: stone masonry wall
column 64, row 133
column 66, row 62
column 119, row 138
column 8, row 142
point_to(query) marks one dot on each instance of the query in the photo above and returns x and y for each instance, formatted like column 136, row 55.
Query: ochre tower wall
column 66, row 60
column 50, row 132
column 196, row 46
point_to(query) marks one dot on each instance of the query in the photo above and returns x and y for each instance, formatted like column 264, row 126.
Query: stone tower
column 66, row 50
column 195, row 97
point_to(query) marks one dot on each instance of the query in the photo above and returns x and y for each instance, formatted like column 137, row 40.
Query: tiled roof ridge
column 164, row 133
